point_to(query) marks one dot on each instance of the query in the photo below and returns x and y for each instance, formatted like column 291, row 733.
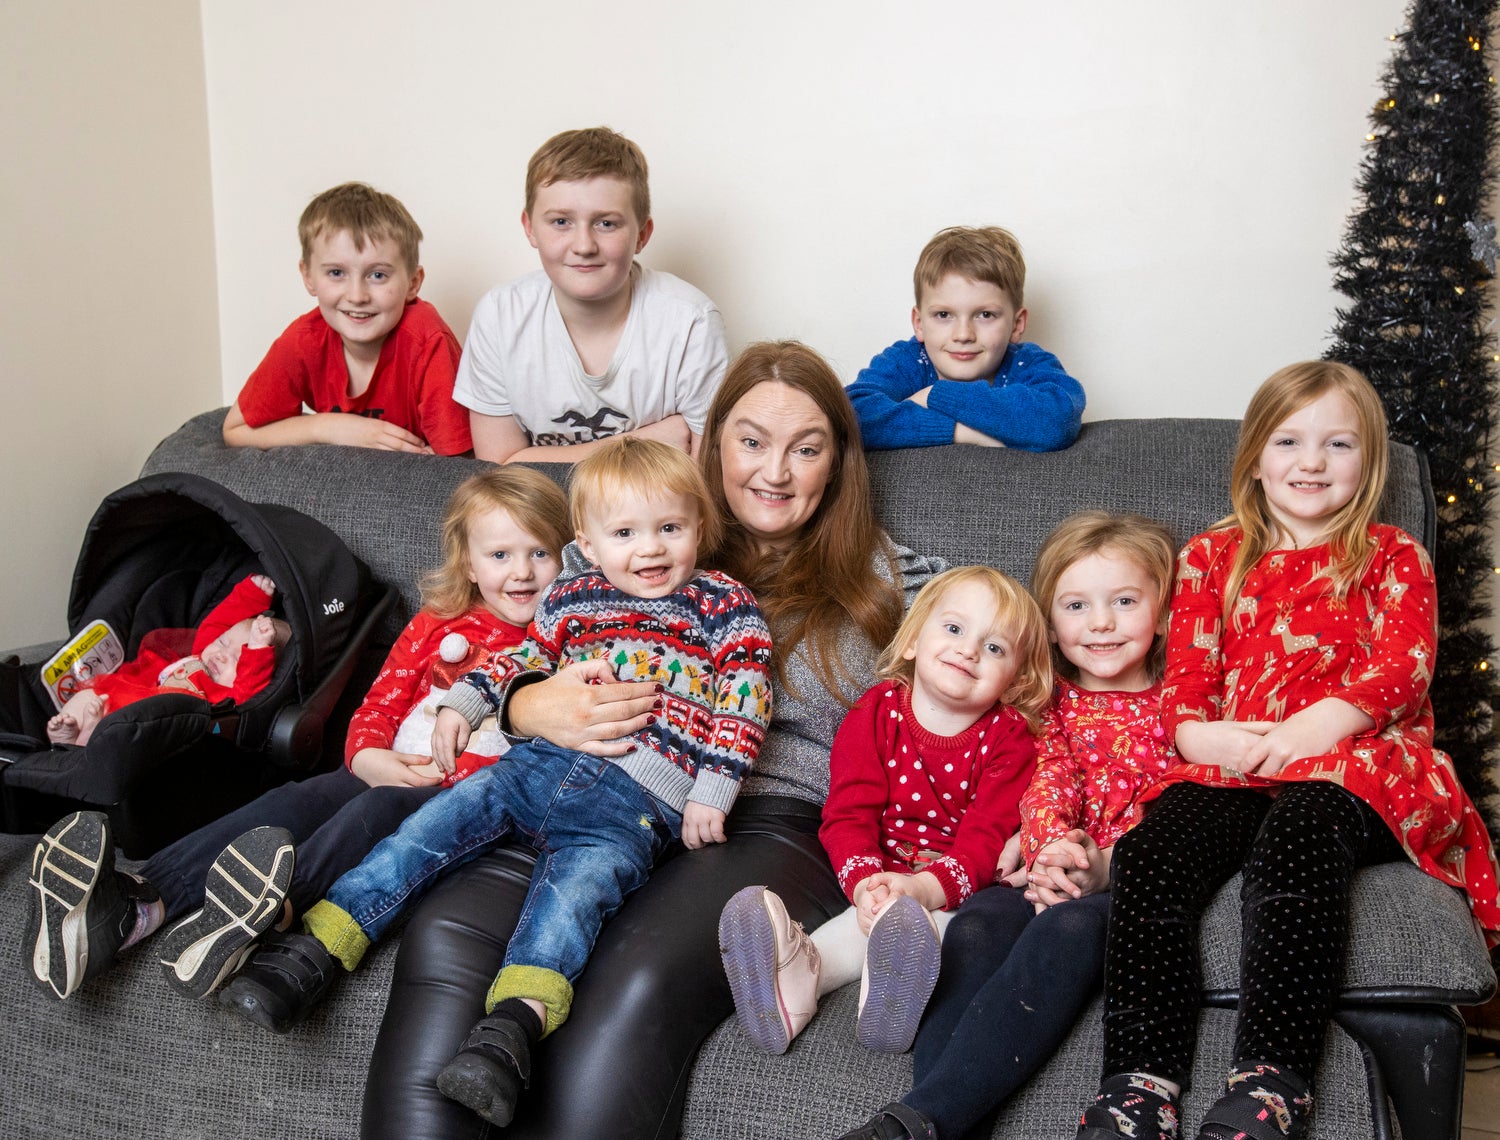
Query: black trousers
column 653, row 990
column 1299, row 850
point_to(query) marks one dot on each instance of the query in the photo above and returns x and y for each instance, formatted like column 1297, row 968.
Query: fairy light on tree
column 1416, row 262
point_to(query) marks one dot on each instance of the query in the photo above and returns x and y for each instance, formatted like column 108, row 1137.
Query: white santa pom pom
column 453, row 648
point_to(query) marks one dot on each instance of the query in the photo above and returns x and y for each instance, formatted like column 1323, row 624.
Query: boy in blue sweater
column 967, row 376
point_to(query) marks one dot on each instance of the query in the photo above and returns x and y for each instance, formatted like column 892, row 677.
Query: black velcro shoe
column 282, row 981
column 82, row 909
column 491, row 1069
column 896, row 1121
column 242, row 899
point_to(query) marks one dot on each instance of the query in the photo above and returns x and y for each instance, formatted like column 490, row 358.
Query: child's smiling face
column 509, row 566
column 962, row 659
column 646, row 545
column 1103, row 618
column 1310, row 467
column 587, row 235
column 361, row 293
column 966, row 327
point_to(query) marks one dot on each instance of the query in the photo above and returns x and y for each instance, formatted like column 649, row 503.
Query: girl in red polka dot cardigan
column 925, row 781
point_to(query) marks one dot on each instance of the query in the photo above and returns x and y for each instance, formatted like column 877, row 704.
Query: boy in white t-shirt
column 592, row 345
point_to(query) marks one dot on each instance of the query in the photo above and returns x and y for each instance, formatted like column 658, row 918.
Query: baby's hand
column 264, row 582
column 262, row 632
column 701, row 825
column 450, row 736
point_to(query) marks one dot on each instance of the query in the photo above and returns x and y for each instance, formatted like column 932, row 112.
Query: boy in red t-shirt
column 375, row 364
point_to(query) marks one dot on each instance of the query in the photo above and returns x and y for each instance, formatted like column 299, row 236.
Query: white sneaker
column 901, row 969
column 772, row 966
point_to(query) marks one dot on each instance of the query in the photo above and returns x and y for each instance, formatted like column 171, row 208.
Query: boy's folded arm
column 888, row 417
column 501, row 439
column 1033, row 404
column 320, row 427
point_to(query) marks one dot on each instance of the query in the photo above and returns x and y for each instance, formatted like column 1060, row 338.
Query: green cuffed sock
column 336, row 929
column 535, row 982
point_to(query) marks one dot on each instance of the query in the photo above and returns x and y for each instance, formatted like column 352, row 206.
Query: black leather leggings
column 653, row 990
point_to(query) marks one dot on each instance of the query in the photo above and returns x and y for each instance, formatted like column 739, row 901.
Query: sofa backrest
column 967, row 504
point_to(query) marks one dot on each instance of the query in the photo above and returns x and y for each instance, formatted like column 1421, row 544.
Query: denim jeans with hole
column 598, row 833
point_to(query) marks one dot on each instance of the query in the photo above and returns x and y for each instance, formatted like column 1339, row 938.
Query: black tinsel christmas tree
column 1416, row 264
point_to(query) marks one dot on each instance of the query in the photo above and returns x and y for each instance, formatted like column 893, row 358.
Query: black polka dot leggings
column 1298, row 849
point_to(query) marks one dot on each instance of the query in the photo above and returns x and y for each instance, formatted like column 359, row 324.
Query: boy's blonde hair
column 1015, row 610
column 631, row 465
column 367, row 214
column 981, row 253
column 1143, row 541
column 533, row 501
column 594, row 152
column 1284, row 393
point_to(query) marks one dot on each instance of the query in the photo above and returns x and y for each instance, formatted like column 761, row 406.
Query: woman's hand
column 701, row 825
column 381, row 767
column 584, row 708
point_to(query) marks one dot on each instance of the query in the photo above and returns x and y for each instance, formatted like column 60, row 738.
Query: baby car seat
column 160, row 553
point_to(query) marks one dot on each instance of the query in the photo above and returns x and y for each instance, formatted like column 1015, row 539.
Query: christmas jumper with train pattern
column 707, row 646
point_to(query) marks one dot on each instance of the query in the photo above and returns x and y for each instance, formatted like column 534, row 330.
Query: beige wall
column 108, row 316
column 1177, row 170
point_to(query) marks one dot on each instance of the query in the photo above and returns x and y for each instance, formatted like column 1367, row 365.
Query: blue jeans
column 598, row 833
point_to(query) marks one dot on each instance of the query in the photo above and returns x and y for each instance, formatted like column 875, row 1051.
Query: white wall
column 108, row 322
column 1177, row 171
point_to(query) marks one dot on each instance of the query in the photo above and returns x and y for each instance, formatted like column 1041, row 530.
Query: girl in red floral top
column 925, row 781
column 1298, row 663
column 1017, row 968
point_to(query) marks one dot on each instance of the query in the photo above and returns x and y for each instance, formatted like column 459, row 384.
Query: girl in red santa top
column 925, row 782
column 502, row 539
column 1298, row 662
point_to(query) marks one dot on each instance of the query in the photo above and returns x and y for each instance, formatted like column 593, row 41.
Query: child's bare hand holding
column 701, row 825
column 262, row 632
column 263, row 582
column 1230, row 744
column 450, row 736
column 881, row 888
column 1314, row 731
column 1011, row 870
column 1069, row 867
column 382, row 767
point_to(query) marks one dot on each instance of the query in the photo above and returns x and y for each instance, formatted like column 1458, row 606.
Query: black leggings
column 1299, row 850
column 654, row 987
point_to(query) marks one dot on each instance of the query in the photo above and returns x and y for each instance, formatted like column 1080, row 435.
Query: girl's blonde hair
column 533, row 501
column 1284, row 393
column 1015, row 610
column 1143, row 541
column 825, row 579
column 629, row 464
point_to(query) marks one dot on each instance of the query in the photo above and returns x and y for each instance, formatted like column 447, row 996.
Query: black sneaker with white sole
column 82, row 910
column 242, row 899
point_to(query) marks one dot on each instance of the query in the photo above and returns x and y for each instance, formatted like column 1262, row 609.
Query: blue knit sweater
column 1031, row 403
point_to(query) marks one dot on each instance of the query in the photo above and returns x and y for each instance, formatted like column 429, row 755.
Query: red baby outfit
column 1099, row 753
column 141, row 677
column 1288, row 643
column 903, row 799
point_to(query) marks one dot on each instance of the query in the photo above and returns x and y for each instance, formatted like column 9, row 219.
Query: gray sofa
column 126, row 1057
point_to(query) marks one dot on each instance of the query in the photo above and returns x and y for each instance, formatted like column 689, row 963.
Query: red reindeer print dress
column 1287, row 643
